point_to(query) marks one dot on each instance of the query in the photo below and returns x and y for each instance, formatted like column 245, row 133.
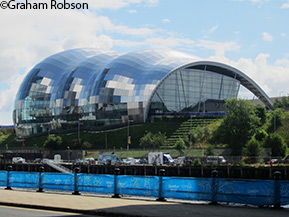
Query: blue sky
column 251, row 35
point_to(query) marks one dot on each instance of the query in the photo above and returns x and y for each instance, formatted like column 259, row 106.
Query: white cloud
column 220, row 48
column 132, row 11
column 27, row 37
column 210, row 31
column 254, row 1
column 152, row 3
column 166, row 21
column 272, row 78
column 157, row 43
column 110, row 4
column 267, row 37
column 213, row 29
column 285, row 5
column 283, row 62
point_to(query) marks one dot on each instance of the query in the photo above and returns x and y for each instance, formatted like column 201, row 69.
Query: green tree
column 261, row 112
column 147, row 140
column 153, row 140
column 276, row 119
column 197, row 162
column 53, row 142
column 261, row 135
column 239, row 125
column 159, row 139
column 252, row 148
column 283, row 103
column 180, row 144
column 277, row 145
column 199, row 132
column 209, row 150
column 206, row 133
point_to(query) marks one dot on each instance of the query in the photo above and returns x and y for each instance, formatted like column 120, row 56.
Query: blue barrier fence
column 253, row 192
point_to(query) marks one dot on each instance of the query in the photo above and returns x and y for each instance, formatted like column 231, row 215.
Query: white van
column 18, row 160
column 216, row 160
column 160, row 158
column 109, row 159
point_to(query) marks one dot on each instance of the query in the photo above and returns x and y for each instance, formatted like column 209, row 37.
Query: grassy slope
column 115, row 139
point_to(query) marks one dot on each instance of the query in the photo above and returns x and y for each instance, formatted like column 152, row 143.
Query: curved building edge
column 99, row 84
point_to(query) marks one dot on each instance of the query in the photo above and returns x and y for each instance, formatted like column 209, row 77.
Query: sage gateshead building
column 98, row 90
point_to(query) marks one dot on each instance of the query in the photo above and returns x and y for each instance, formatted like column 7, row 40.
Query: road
column 6, row 211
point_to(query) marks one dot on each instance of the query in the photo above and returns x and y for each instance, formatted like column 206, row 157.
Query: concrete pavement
column 128, row 206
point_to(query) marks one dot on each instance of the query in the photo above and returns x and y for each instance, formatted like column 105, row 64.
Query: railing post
column 76, row 171
column 277, row 177
column 116, row 173
column 214, row 175
column 162, row 173
column 9, row 169
column 41, row 171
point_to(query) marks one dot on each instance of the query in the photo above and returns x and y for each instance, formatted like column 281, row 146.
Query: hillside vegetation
column 246, row 130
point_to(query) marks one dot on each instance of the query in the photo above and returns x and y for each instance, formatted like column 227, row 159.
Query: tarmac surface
column 104, row 205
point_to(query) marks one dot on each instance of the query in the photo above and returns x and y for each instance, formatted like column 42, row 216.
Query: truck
column 109, row 159
column 160, row 158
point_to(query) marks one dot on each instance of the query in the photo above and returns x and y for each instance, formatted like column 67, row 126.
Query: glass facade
column 93, row 90
column 193, row 90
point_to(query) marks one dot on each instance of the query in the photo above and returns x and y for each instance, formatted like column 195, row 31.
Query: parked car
column 273, row 161
column 285, row 160
column 143, row 161
column 38, row 160
column 18, row 160
column 109, row 159
column 216, row 160
column 129, row 161
column 77, row 161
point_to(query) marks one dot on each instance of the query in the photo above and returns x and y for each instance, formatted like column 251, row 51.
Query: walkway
column 129, row 206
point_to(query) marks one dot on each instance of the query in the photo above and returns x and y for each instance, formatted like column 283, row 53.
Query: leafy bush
column 277, row 145
column 239, row 125
column 261, row 135
column 53, row 142
column 197, row 162
column 276, row 119
column 180, row 144
column 153, row 140
column 252, row 149
column 209, row 150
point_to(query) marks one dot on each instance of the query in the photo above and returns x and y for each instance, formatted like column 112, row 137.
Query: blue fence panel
column 138, row 185
column 23, row 180
column 103, row 184
column 254, row 192
column 3, row 178
column 284, row 192
column 186, row 188
column 58, row 181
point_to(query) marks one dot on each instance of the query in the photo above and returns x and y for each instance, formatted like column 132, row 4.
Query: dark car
column 38, row 160
column 285, row 160
column 143, row 161
column 273, row 161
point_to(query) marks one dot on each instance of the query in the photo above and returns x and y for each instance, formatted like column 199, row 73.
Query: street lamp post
column 78, row 129
column 190, row 131
column 191, row 134
column 128, row 136
column 68, row 153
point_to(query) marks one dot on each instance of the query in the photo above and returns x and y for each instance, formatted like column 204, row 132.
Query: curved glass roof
column 108, row 87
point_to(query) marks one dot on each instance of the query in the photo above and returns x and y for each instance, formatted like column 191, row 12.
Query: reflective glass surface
column 192, row 90
column 94, row 90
